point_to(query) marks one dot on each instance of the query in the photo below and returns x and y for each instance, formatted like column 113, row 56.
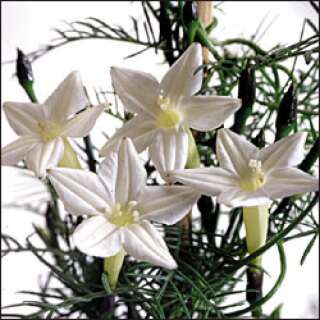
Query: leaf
column 105, row 282
column 308, row 249
column 276, row 313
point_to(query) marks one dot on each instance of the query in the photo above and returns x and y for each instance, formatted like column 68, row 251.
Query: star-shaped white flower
column 119, row 206
column 248, row 176
column 43, row 127
column 164, row 110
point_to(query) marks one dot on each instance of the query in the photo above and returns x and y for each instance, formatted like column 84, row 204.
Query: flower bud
column 25, row 75
column 247, row 93
column 23, row 68
column 287, row 113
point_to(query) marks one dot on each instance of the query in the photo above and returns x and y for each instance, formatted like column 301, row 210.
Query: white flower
column 43, row 127
column 119, row 207
column 164, row 110
column 248, row 176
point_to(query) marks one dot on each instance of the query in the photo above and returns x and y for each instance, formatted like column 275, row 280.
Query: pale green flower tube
column 69, row 159
column 256, row 224
column 113, row 265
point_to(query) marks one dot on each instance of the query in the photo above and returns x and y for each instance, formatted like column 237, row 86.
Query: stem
column 256, row 223
column 205, row 15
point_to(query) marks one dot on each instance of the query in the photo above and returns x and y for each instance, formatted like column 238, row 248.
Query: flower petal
column 235, row 197
column 166, row 204
column 107, row 173
column 97, row 237
column 68, row 98
column 138, row 91
column 285, row 182
column 24, row 117
column 169, row 151
column 209, row 181
column 131, row 174
column 286, row 152
column 81, row 191
column 81, row 124
column 234, row 152
column 45, row 156
column 14, row 152
column 207, row 113
column 181, row 80
column 140, row 129
column 140, row 242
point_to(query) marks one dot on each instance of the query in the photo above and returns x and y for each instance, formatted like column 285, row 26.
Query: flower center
column 255, row 179
column 49, row 131
column 123, row 215
column 169, row 117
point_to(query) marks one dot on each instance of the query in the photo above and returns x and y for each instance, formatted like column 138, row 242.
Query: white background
column 28, row 24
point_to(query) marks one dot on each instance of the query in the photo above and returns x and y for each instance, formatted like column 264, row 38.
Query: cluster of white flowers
column 117, row 203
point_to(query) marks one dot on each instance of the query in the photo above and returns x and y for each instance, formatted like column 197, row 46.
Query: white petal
column 131, row 174
column 45, row 156
column 140, row 129
column 235, row 197
column 138, row 91
column 97, row 237
column 207, row 113
column 81, row 124
column 81, row 191
column 68, row 98
column 107, row 173
column 286, row 152
column 234, row 152
column 14, row 152
column 209, row 181
column 167, row 204
column 181, row 79
column 24, row 117
column 140, row 242
column 286, row 182
column 169, row 151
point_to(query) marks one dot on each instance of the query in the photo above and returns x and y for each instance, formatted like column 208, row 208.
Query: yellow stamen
column 168, row 118
column 123, row 215
column 49, row 131
column 255, row 179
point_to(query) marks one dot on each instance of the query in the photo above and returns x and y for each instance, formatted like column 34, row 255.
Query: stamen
column 162, row 101
column 49, row 130
column 254, row 180
column 123, row 215
column 131, row 204
column 255, row 165
column 135, row 215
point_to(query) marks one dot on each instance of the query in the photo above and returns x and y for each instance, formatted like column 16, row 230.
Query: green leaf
column 308, row 249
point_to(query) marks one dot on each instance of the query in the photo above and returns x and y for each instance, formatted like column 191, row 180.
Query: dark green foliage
column 214, row 261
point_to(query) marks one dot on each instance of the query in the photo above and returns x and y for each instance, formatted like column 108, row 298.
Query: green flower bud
column 287, row 113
